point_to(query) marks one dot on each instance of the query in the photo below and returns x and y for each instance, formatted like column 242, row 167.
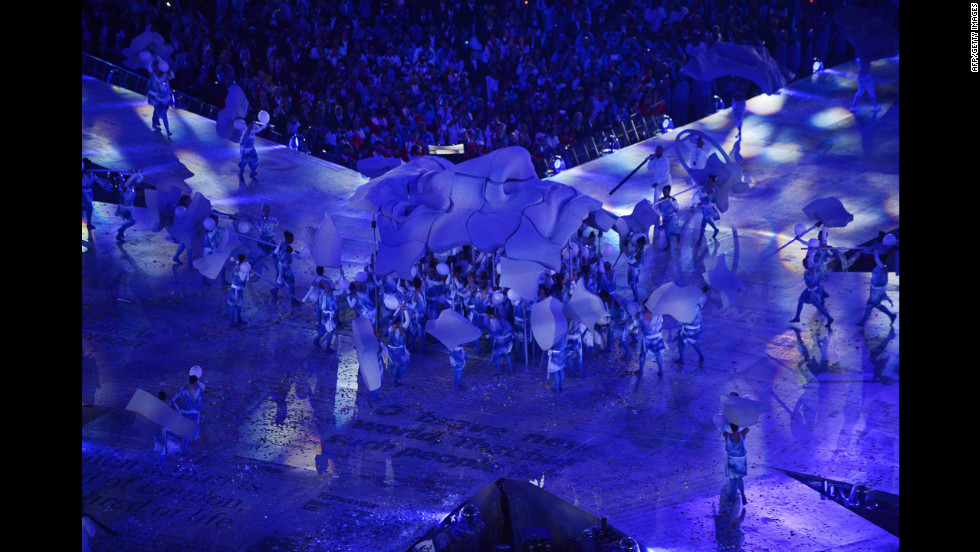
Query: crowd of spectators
column 364, row 78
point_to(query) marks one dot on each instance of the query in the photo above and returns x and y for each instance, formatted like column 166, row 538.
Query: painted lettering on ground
column 430, row 437
column 112, row 334
column 113, row 483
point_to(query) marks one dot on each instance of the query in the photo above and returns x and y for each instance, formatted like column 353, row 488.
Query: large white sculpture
column 493, row 202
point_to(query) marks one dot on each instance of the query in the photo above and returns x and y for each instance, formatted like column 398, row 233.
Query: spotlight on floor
column 555, row 165
column 628, row 544
column 666, row 124
column 297, row 142
column 610, row 145
column 717, row 104
column 817, row 65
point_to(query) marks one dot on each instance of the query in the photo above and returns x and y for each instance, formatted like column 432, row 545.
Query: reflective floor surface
column 292, row 456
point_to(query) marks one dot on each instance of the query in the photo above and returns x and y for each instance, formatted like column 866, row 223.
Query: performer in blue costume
column 212, row 240
column 159, row 94
column 188, row 402
column 267, row 227
column 879, row 281
column 668, row 217
column 164, row 441
column 736, row 465
column 283, row 256
column 634, row 256
column 651, row 325
column 457, row 359
column 236, row 294
column 709, row 209
column 397, row 345
column 361, row 303
column 88, row 179
column 813, row 294
column 556, row 362
column 573, row 349
column 502, row 334
column 326, row 306
column 248, row 154
column 127, row 197
column 690, row 334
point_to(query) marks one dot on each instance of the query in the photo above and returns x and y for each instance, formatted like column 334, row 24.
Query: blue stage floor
column 641, row 452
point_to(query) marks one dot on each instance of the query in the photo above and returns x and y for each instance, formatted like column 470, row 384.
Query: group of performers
column 466, row 281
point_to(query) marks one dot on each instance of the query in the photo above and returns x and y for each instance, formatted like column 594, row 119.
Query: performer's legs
column 712, row 223
column 627, row 346
column 559, row 380
column 823, row 310
column 130, row 222
column 458, row 377
column 180, row 249
column 799, row 309
column 166, row 122
column 697, row 348
column 885, row 310
column 704, row 223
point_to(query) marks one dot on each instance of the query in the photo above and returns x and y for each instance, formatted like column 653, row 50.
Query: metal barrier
column 631, row 130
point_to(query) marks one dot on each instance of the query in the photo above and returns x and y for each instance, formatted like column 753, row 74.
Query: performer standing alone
column 736, row 466
column 159, row 94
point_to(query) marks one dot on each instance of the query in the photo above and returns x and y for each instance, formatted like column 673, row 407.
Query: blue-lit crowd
column 362, row 79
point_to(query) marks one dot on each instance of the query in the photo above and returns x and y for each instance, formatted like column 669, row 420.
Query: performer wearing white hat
column 159, row 94
column 248, row 155
column 188, row 402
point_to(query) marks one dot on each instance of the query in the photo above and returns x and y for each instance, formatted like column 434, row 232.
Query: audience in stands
column 363, row 78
